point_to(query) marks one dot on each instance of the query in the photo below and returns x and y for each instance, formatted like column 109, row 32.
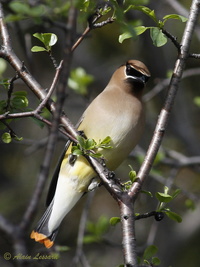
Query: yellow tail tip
column 41, row 238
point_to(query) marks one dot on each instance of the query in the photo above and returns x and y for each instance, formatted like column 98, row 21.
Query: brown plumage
column 116, row 112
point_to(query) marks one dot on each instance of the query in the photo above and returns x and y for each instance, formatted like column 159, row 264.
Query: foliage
column 149, row 256
column 91, row 147
column 164, row 199
column 48, row 40
column 156, row 33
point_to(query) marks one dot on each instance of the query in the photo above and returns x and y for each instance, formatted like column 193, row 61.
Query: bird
column 117, row 112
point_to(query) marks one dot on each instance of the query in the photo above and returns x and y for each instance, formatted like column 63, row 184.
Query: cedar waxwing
column 116, row 112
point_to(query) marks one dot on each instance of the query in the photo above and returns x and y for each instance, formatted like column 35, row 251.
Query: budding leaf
column 38, row 49
column 114, row 220
column 48, row 39
column 6, row 138
column 163, row 197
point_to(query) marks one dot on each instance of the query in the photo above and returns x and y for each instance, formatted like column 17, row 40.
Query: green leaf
column 19, row 102
column 162, row 197
column 5, row 83
column 37, row 11
column 48, row 39
column 81, row 141
column 114, row 220
column 133, row 176
column 38, row 49
column 76, row 151
column 174, row 16
column 124, row 36
column 149, row 12
column 158, row 38
column 6, row 138
column 105, row 144
column 106, row 140
column 23, row 10
column 19, row 7
column 174, row 216
column 89, row 144
column 150, row 252
column 155, row 261
column 140, row 29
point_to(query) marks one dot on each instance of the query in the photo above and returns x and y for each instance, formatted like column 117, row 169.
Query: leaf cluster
column 165, row 198
column 90, row 147
column 48, row 40
column 22, row 10
column 16, row 102
column 149, row 257
column 156, row 32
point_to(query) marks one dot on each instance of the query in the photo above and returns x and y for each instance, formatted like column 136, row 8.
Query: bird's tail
column 41, row 233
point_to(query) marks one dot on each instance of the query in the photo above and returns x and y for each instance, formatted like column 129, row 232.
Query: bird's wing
column 52, row 187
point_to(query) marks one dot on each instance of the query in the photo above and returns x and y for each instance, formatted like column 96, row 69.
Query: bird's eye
column 131, row 72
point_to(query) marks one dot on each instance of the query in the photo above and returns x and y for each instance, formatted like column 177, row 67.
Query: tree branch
column 173, row 88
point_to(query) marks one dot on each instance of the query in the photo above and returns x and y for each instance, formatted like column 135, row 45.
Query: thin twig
column 172, row 38
column 92, row 25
